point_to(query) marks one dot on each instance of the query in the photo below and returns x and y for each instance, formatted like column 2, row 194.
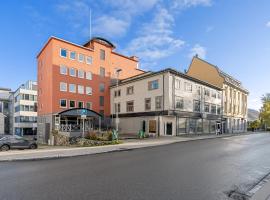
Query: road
column 194, row 170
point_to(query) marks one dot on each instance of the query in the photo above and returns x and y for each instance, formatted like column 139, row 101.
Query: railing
column 73, row 128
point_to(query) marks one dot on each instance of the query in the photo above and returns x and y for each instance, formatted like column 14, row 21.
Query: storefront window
column 206, row 126
column 192, row 125
column 181, row 125
column 199, row 126
column 212, row 126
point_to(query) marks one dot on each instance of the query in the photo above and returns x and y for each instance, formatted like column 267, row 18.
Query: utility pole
column 116, row 109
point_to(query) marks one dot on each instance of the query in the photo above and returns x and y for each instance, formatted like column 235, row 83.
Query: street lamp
column 117, row 72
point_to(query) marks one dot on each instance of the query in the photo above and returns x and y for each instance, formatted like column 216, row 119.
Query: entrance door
column 169, row 128
column 218, row 128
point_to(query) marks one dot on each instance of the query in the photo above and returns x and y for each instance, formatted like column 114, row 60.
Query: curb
column 118, row 148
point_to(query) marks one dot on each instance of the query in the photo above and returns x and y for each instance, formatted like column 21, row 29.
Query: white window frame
column 88, row 75
column 89, row 57
column 70, row 55
column 79, row 89
column 72, row 68
column 61, row 105
column 74, row 104
column 186, row 86
column 80, row 54
column 61, row 67
column 90, row 89
column 83, row 73
column 61, row 54
column 75, row 88
column 60, row 85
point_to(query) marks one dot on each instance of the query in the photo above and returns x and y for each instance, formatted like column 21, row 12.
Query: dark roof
column 170, row 70
column 79, row 112
column 102, row 40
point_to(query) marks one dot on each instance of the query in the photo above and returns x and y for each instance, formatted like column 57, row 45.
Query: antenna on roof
column 90, row 24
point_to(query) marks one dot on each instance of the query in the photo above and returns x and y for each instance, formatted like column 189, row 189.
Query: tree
column 265, row 98
column 265, row 112
column 254, row 125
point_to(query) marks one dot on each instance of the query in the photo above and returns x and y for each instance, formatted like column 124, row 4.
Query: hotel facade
column 166, row 102
column 234, row 104
column 74, row 80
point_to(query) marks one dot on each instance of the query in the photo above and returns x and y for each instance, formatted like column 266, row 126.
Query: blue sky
column 234, row 35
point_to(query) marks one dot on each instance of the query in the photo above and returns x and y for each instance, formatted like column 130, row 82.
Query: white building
column 166, row 103
column 25, row 109
column 5, row 105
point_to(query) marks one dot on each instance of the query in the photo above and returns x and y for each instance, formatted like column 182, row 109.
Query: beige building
column 234, row 112
column 166, row 102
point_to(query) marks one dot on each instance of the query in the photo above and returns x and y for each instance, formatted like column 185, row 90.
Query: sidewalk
column 60, row 152
column 263, row 192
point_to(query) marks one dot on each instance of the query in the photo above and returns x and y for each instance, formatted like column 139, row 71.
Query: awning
column 79, row 112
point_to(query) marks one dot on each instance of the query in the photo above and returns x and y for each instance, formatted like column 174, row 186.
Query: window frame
column 74, row 104
column 129, row 87
column 79, row 57
column 78, row 104
column 147, row 104
column 181, row 101
column 75, row 72
column 82, row 76
column 87, row 75
column 127, row 106
column 75, row 54
column 86, row 60
column 81, row 87
column 151, row 85
column 61, row 104
column 61, row 52
column 61, row 87
column 194, row 106
column 75, row 88
column 90, row 89
column 65, row 67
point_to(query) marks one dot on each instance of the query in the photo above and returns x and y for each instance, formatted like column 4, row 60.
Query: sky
column 231, row 34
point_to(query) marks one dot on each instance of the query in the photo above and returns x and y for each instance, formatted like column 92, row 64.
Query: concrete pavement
column 60, row 152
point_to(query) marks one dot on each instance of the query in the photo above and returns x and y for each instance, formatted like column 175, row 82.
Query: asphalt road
column 195, row 170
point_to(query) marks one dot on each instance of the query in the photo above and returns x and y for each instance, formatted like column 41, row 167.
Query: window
column 213, row 109
column 197, row 106
column 101, row 100
column 80, row 89
column 177, row 84
column 102, row 71
column 130, row 106
column 117, row 107
column 206, row 107
column 81, row 57
column 63, row 87
column 72, row 55
column 206, row 92
column 63, row 103
column 188, row 87
column 179, row 103
column 63, row 70
column 63, row 53
column 218, row 110
column 198, row 89
column 72, row 88
column 72, row 104
column 152, row 126
column 152, row 85
column 147, row 104
column 102, row 54
column 80, row 73
column 89, row 60
column 117, row 93
column 26, row 97
column 130, row 90
column 80, row 104
column 72, row 72
column 88, row 75
column 88, row 90
column 214, row 94
column 101, row 87
column 219, row 95
column 89, row 105
column 158, row 102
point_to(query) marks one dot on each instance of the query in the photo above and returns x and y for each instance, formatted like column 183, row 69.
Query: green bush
column 109, row 136
column 91, row 136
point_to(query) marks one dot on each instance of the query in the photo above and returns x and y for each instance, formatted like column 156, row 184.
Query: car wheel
column 4, row 147
column 33, row 146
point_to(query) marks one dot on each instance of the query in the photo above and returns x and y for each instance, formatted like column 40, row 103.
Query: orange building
column 73, row 77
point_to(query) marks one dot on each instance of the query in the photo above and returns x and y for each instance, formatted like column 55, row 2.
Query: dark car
column 8, row 142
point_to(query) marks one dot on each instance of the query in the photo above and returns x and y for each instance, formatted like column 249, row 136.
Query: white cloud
column 180, row 4
column 268, row 24
column 255, row 103
column 155, row 40
column 198, row 50
column 109, row 26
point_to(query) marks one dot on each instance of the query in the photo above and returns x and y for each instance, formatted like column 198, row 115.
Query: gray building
column 166, row 102
column 5, row 110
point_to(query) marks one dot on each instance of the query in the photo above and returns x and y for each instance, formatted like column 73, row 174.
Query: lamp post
column 116, row 109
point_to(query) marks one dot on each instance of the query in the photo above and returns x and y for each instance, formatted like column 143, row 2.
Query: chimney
column 134, row 58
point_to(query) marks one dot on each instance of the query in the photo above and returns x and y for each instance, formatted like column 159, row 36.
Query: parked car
column 8, row 142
